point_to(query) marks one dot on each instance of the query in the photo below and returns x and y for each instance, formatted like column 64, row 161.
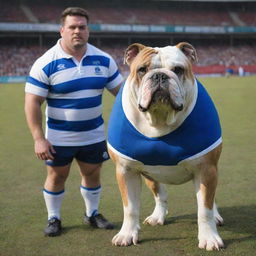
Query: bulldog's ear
column 188, row 50
column 131, row 52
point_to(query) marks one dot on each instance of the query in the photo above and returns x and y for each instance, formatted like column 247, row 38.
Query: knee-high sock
column 53, row 202
column 91, row 198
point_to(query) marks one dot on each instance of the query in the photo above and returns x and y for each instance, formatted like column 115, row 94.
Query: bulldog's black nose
column 159, row 77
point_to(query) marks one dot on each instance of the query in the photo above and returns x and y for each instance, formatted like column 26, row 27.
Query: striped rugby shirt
column 73, row 92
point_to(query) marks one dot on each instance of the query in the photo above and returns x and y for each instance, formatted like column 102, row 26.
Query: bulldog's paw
column 218, row 219
column 153, row 220
column 211, row 243
column 157, row 217
column 125, row 239
column 209, row 238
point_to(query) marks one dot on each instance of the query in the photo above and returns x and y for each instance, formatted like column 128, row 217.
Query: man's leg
column 54, row 189
column 90, row 186
column 90, row 191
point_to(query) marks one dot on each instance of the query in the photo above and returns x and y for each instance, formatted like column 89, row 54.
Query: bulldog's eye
column 142, row 70
column 178, row 71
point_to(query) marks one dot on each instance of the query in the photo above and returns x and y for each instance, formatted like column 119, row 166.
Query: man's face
column 75, row 32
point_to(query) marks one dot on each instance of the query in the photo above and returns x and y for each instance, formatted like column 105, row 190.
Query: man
column 71, row 77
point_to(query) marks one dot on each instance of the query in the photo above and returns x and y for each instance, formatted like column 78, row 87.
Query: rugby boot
column 98, row 221
column 53, row 227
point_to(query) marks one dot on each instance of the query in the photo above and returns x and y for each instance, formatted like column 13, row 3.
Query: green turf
column 23, row 214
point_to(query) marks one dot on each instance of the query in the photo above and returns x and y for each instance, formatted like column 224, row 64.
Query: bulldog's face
column 160, row 79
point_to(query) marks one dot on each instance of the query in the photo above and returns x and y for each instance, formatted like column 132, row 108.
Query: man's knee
column 57, row 174
column 90, row 170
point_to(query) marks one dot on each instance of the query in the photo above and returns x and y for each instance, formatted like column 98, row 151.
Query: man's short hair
column 74, row 11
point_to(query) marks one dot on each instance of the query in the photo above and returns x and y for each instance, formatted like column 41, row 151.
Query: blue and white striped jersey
column 73, row 91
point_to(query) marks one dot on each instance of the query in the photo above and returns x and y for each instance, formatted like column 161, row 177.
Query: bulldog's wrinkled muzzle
column 160, row 89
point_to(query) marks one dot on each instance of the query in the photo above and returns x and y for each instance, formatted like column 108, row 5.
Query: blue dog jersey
column 198, row 134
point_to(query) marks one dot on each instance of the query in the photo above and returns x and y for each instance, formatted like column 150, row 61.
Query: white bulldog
column 164, row 126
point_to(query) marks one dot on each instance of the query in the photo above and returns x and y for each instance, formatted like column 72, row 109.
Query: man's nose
column 77, row 30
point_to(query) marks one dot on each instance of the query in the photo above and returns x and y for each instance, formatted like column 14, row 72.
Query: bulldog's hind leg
column 160, row 196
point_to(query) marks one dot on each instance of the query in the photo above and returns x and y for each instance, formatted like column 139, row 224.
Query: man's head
column 74, row 11
column 74, row 27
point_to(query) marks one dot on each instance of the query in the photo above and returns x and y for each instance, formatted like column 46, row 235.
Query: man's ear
column 131, row 52
column 189, row 51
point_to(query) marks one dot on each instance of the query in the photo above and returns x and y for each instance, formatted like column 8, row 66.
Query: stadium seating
column 119, row 15
column 249, row 18
column 49, row 13
column 12, row 13
column 16, row 61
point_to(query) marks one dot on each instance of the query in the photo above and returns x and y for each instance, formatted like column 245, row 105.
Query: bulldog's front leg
column 129, row 182
column 205, row 184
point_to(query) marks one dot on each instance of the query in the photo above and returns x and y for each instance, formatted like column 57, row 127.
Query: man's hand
column 44, row 149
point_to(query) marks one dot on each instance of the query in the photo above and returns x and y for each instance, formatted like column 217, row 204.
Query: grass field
column 23, row 213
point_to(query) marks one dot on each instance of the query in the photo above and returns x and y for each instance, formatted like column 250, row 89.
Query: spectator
column 241, row 71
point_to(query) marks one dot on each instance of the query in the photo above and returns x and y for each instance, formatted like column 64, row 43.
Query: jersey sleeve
column 37, row 82
column 115, row 78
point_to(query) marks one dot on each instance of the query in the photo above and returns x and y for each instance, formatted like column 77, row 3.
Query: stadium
column 223, row 33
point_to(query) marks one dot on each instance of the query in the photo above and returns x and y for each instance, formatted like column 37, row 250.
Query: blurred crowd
column 226, row 55
column 17, row 61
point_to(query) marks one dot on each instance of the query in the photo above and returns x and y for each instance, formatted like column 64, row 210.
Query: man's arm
column 115, row 90
column 33, row 112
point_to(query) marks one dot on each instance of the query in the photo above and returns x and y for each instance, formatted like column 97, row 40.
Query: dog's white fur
column 158, row 120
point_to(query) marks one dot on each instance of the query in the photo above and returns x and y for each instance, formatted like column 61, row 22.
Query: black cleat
column 98, row 221
column 53, row 227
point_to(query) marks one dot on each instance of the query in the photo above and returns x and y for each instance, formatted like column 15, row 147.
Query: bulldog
column 164, row 127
